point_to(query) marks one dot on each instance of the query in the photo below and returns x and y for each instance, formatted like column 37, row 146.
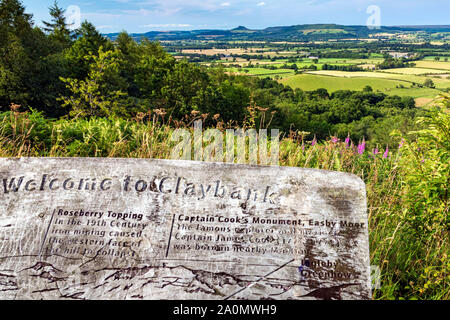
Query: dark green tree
column 131, row 53
column 83, row 51
column 16, row 26
column 29, row 66
column 13, row 19
column 100, row 93
column 429, row 83
column 367, row 89
column 58, row 28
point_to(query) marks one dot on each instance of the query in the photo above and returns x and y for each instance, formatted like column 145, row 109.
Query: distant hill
column 241, row 28
column 307, row 32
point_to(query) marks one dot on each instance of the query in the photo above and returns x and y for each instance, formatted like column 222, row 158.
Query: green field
column 431, row 58
column 403, row 81
column 309, row 82
column 433, row 64
column 407, row 79
column 348, row 61
column 260, row 71
column 397, row 81
column 416, row 71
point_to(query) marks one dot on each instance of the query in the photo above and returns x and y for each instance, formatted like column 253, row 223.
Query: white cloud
column 168, row 25
column 183, row 5
column 104, row 27
column 157, row 12
column 261, row 4
column 100, row 15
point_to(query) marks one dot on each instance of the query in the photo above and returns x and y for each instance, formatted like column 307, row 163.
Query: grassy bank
column 407, row 184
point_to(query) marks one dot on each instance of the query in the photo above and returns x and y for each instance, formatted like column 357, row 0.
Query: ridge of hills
column 306, row 32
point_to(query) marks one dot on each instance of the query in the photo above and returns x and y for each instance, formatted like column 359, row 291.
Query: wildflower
column 314, row 142
column 347, row 141
column 361, row 147
column 334, row 139
column 386, row 153
column 402, row 142
column 375, row 151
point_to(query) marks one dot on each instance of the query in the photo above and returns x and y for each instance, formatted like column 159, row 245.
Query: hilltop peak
column 240, row 28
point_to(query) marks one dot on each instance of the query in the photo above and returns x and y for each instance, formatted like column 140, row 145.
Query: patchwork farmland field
column 416, row 71
column 308, row 74
column 311, row 82
column 433, row 65
column 260, row 71
column 440, row 83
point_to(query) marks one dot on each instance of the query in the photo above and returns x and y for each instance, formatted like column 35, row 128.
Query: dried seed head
column 161, row 112
column 15, row 107
column 140, row 116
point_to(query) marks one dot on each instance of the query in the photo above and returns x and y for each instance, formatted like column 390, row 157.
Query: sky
column 137, row 16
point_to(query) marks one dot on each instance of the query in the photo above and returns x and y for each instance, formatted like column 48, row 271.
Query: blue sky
column 145, row 15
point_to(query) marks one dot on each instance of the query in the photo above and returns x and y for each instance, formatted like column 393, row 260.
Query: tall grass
column 407, row 186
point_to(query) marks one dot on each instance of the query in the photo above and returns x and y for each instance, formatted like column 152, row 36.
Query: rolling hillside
column 305, row 32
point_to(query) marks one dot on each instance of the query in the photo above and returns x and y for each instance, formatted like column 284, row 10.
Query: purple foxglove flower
column 334, row 139
column 375, row 151
column 402, row 142
column 347, row 141
column 314, row 142
column 361, row 147
column 386, row 153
